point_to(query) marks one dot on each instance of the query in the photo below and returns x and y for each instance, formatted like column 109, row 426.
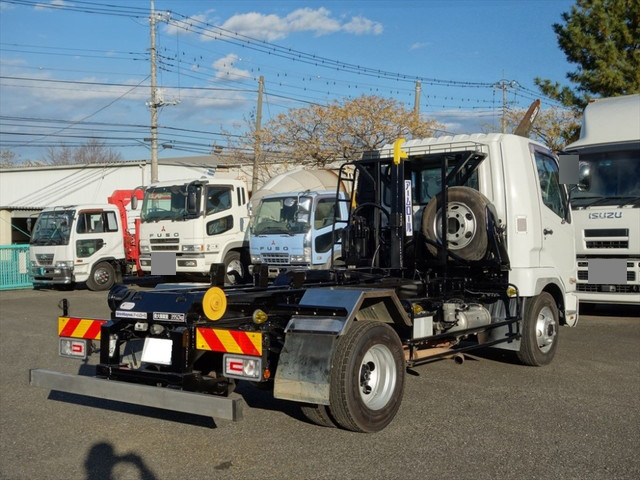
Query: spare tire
column 466, row 223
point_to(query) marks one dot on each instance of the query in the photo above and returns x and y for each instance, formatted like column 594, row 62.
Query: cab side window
column 553, row 193
column 218, row 199
column 325, row 213
column 97, row 222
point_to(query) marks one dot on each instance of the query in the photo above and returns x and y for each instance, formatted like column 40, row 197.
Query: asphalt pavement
column 578, row 418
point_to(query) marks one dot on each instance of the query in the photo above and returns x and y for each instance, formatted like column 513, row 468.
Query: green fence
column 14, row 267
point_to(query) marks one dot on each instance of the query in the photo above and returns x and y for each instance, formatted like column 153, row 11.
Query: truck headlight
column 255, row 259
column 65, row 264
column 193, row 248
column 145, row 248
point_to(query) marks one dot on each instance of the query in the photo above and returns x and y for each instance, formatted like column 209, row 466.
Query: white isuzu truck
column 606, row 209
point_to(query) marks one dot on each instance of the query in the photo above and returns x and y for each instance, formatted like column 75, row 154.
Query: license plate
column 157, row 350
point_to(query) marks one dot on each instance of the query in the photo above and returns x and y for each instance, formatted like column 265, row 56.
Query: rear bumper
column 223, row 408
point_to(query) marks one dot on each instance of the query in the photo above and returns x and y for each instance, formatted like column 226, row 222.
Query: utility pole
column 504, row 84
column 257, row 146
column 155, row 103
column 416, row 101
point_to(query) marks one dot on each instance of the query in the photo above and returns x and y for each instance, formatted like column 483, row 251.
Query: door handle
column 547, row 231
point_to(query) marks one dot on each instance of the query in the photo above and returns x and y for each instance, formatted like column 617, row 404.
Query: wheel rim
column 461, row 225
column 235, row 265
column 101, row 276
column 545, row 329
column 378, row 377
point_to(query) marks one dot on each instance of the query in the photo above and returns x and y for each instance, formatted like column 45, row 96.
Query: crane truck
column 452, row 244
column 606, row 208
column 92, row 243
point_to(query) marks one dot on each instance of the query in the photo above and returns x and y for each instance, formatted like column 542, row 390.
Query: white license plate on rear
column 157, row 350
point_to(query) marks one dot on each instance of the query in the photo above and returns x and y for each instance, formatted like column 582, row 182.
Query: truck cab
column 81, row 243
column 196, row 223
column 606, row 207
column 298, row 229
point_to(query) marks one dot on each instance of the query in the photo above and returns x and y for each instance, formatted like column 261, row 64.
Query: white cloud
column 226, row 69
column 319, row 21
column 419, row 45
column 362, row 26
column 173, row 27
column 52, row 3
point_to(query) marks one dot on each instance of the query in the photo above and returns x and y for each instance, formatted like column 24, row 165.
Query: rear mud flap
column 304, row 368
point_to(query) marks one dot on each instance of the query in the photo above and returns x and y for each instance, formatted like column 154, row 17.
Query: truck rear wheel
column 318, row 414
column 466, row 223
column 540, row 324
column 102, row 277
column 235, row 269
column 367, row 378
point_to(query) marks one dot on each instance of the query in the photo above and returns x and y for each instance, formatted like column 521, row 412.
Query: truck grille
column 607, row 237
column 584, row 275
column 164, row 240
column 590, row 287
column 158, row 248
column 275, row 258
column 44, row 258
column 608, row 244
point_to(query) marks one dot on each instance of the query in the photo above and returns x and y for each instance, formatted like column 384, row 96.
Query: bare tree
column 318, row 135
column 92, row 151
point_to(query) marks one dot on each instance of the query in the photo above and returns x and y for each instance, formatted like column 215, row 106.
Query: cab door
column 558, row 247
column 327, row 212
column 98, row 235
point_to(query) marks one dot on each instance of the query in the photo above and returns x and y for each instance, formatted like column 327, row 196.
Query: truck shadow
column 264, row 400
column 102, row 460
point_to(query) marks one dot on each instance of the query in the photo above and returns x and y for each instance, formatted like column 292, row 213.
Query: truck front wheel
column 367, row 378
column 102, row 277
column 235, row 269
column 540, row 325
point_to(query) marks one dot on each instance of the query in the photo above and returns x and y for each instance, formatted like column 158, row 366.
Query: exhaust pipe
column 458, row 358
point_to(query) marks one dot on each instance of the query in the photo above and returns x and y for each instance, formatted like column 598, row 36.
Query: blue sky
column 74, row 69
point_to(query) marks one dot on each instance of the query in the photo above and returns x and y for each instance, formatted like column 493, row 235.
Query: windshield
column 284, row 215
column 53, row 228
column 610, row 178
column 164, row 203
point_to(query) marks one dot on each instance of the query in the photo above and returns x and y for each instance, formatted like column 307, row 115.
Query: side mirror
column 134, row 202
column 192, row 202
column 29, row 225
column 584, row 184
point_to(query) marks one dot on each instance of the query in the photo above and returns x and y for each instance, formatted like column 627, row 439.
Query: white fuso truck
column 606, row 209
column 298, row 229
column 454, row 244
column 197, row 223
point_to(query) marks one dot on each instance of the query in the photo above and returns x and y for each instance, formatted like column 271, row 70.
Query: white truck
column 92, row 243
column 454, row 244
column 301, row 226
column 197, row 223
column 606, row 208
